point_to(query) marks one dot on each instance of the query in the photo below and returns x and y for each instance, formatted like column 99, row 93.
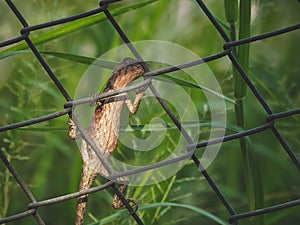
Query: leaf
column 83, row 59
column 265, row 87
column 162, row 204
column 192, row 85
column 71, row 27
column 110, row 65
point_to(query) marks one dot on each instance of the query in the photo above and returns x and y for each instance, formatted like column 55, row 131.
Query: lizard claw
column 118, row 204
column 135, row 205
column 143, row 88
column 132, row 202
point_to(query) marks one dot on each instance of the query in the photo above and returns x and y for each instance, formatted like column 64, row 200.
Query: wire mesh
column 228, row 46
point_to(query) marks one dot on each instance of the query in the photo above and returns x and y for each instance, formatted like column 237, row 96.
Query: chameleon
column 103, row 130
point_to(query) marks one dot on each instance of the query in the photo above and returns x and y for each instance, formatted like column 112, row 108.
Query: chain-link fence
column 228, row 52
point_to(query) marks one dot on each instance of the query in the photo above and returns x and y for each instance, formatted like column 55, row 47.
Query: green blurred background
column 49, row 162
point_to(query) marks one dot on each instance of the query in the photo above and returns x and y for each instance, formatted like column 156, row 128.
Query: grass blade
column 111, row 65
column 69, row 28
column 162, row 204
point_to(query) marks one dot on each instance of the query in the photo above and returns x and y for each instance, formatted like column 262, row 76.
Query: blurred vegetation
column 50, row 163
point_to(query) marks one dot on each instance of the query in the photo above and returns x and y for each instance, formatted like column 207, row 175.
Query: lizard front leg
column 72, row 130
column 134, row 107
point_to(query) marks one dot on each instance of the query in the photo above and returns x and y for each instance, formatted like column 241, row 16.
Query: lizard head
column 124, row 73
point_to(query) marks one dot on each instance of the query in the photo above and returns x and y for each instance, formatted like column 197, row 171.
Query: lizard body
column 104, row 130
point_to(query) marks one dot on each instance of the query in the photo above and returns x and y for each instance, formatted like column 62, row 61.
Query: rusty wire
column 269, row 125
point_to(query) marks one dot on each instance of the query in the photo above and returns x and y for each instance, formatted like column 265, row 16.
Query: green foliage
column 251, row 171
column 50, row 163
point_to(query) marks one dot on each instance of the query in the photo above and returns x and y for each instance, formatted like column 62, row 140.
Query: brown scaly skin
column 104, row 131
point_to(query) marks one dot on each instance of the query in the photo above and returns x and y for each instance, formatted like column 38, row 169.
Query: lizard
column 104, row 131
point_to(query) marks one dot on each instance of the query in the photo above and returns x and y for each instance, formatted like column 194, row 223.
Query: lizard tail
column 86, row 182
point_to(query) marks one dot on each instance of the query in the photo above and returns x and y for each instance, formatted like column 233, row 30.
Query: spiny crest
column 129, row 70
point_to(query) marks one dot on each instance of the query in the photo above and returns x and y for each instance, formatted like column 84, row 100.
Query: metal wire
column 269, row 125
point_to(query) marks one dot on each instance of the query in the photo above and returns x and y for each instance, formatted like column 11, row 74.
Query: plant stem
column 251, row 172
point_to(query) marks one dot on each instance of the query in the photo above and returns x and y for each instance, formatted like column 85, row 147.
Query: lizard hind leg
column 118, row 204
